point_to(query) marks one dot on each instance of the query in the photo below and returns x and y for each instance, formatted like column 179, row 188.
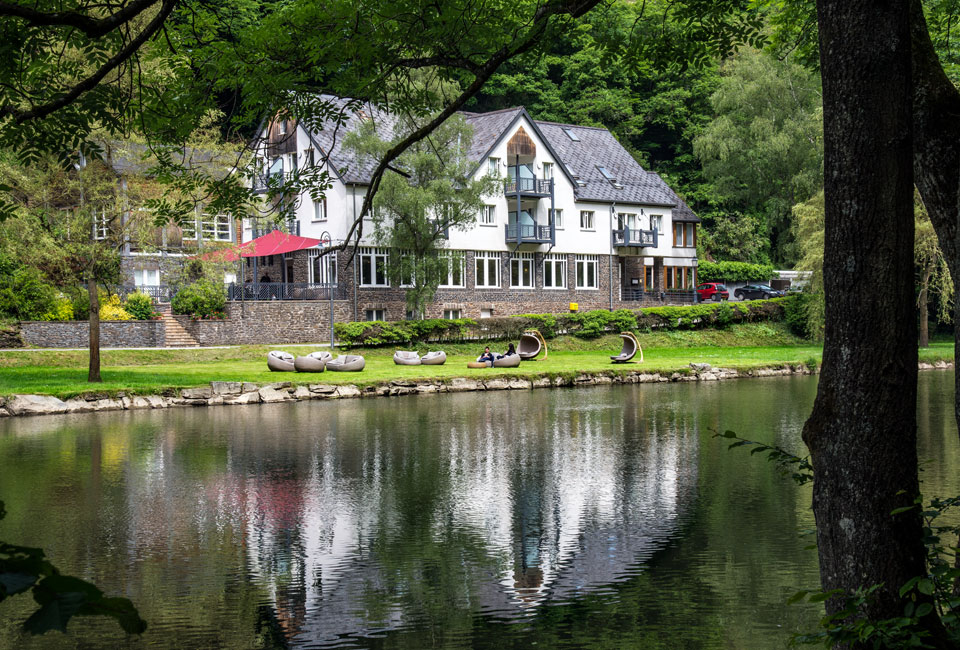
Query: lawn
column 63, row 373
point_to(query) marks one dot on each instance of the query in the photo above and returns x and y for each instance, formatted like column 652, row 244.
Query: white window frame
column 485, row 258
column 140, row 277
column 330, row 268
column 216, row 227
column 585, row 262
column 452, row 314
column 486, row 312
column 547, row 171
column 101, row 225
column 558, row 218
column 320, row 210
column 293, row 162
column 550, row 263
column 656, row 223
column 488, row 215
column 525, row 276
column 587, row 220
column 493, row 166
column 188, row 228
column 628, row 219
column 377, row 260
column 454, row 260
column 375, row 314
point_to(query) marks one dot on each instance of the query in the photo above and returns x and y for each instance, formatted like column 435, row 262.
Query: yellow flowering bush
column 111, row 309
column 62, row 310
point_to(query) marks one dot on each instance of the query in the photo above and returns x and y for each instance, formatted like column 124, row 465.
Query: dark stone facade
column 76, row 334
column 270, row 321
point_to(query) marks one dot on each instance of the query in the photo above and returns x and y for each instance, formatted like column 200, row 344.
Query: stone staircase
column 175, row 334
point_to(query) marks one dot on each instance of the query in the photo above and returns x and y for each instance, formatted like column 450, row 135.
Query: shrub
column 202, row 299
column 796, row 310
column 623, row 320
column 140, row 306
column 62, row 310
column 112, row 309
column 724, row 315
column 546, row 323
column 733, row 271
column 25, row 295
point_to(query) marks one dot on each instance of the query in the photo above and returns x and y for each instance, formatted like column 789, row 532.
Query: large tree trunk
column 936, row 152
column 862, row 434
column 93, row 373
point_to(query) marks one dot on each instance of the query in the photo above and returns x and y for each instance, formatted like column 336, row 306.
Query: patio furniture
column 346, row 363
column 280, row 361
column 630, row 348
column 477, row 364
column 531, row 344
column 509, row 361
column 406, row 358
column 313, row 362
column 437, row 358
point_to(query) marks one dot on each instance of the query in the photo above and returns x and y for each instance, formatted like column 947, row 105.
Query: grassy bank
column 63, row 373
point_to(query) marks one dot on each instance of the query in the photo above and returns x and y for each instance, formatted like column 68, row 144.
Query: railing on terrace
column 634, row 237
column 284, row 291
column 659, row 297
column 263, row 183
column 537, row 186
column 159, row 292
column 529, row 232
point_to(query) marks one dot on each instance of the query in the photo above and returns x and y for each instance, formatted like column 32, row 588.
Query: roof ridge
column 499, row 110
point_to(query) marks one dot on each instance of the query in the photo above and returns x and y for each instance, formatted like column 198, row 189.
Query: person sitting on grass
column 487, row 356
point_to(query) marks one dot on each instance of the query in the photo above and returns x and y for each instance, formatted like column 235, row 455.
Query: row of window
column 212, row 227
column 674, row 277
column 373, row 270
column 588, row 221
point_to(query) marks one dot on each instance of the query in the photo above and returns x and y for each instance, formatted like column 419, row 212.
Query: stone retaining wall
column 76, row 334
column 270, row 321
column 235, row 392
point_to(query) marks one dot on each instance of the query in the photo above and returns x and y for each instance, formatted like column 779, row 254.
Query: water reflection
column 436, row 520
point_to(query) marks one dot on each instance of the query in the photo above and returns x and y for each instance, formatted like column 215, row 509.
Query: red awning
column 274, row 243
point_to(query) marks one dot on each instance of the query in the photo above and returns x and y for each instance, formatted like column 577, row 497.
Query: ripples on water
column 567, row 518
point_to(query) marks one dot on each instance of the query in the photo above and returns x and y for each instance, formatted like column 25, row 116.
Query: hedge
column 583, row 325
column 733, row 272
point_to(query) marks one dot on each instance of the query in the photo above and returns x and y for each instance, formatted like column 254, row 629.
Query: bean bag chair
column 531, row 344
column 280, row 361
column 437, row 358
column 313, row 362
column 406, row 358
column 346, row 363
column 629, row 350
column 509, row 361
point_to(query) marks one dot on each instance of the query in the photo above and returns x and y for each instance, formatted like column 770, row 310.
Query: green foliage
column 62, row 310
column 797, row 313
column 406, row 332
column 111, row 309
column 140, row 306
column 808, row 228
column 546, row 323
column 724, row 315
column 25, row 294
column 204, row 298
column 708, row 271
column 59, row 597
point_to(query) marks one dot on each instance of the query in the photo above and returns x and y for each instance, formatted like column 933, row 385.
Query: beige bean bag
column 280, row 361
column 346, row 363
column 510, row 361
column 406, row 358
column 313, row 362
column 437, row 358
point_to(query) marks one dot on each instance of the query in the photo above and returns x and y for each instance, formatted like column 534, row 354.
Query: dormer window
column 570, row 134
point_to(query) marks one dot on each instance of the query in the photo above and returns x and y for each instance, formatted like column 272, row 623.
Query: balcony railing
column 668, row 297
column 159, row 292
column 633, row 237
column 529, row 186
column 529, row 233
column 263, row 183
column 284, row 291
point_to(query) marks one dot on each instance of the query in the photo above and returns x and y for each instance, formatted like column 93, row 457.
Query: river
column 569, row 518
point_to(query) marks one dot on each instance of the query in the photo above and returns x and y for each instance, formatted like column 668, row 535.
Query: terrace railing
column 634, row 237
column 284, row 291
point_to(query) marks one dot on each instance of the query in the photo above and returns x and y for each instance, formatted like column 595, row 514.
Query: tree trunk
column 936, row 153
column 922, row 304
column 862, row 434
column 93, row 374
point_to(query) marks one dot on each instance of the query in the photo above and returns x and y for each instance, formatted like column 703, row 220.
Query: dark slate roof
column 596, row 147
column 132, row 158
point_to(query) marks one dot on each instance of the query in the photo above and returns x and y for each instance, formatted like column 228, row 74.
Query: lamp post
column 325, row 241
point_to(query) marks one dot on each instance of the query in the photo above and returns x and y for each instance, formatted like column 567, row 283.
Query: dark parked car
column 713, row 291
column 755, row 291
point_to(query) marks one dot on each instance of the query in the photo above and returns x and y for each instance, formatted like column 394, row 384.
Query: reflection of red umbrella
column 274, row 243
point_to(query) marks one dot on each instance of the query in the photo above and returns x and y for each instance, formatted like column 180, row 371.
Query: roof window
column 570, row 134
column 606, row 174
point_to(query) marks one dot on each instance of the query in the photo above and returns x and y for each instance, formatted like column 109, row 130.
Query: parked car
column 713, row 291
column 755, row 291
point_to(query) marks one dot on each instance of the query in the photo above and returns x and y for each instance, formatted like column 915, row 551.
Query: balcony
column 263, row 183
column 529, row 233
column 634, row 237
column 529, row 186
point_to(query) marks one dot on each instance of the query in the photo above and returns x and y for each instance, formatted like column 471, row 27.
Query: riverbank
column 55, row 380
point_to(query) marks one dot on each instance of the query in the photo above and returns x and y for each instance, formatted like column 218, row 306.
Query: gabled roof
column 579, row 159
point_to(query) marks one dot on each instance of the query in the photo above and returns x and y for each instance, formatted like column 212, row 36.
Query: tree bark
column 936, row 153
column 922, row 304
column 93, row 373
column 862, row 433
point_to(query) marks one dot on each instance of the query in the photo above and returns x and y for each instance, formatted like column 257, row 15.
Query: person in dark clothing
column 510, row 350
column 487, row 356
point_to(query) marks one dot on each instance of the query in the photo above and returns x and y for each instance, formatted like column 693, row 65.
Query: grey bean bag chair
column 313, row 362
column 510, row 361
column 280, row 361
column 346, row 363
column 406, row 358
column 629, row 350
column 437, row 358
column 529, row 346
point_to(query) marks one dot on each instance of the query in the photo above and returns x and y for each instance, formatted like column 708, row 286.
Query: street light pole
column 327, row 241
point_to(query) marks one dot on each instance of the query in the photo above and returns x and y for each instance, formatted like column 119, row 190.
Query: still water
column 602, row 517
